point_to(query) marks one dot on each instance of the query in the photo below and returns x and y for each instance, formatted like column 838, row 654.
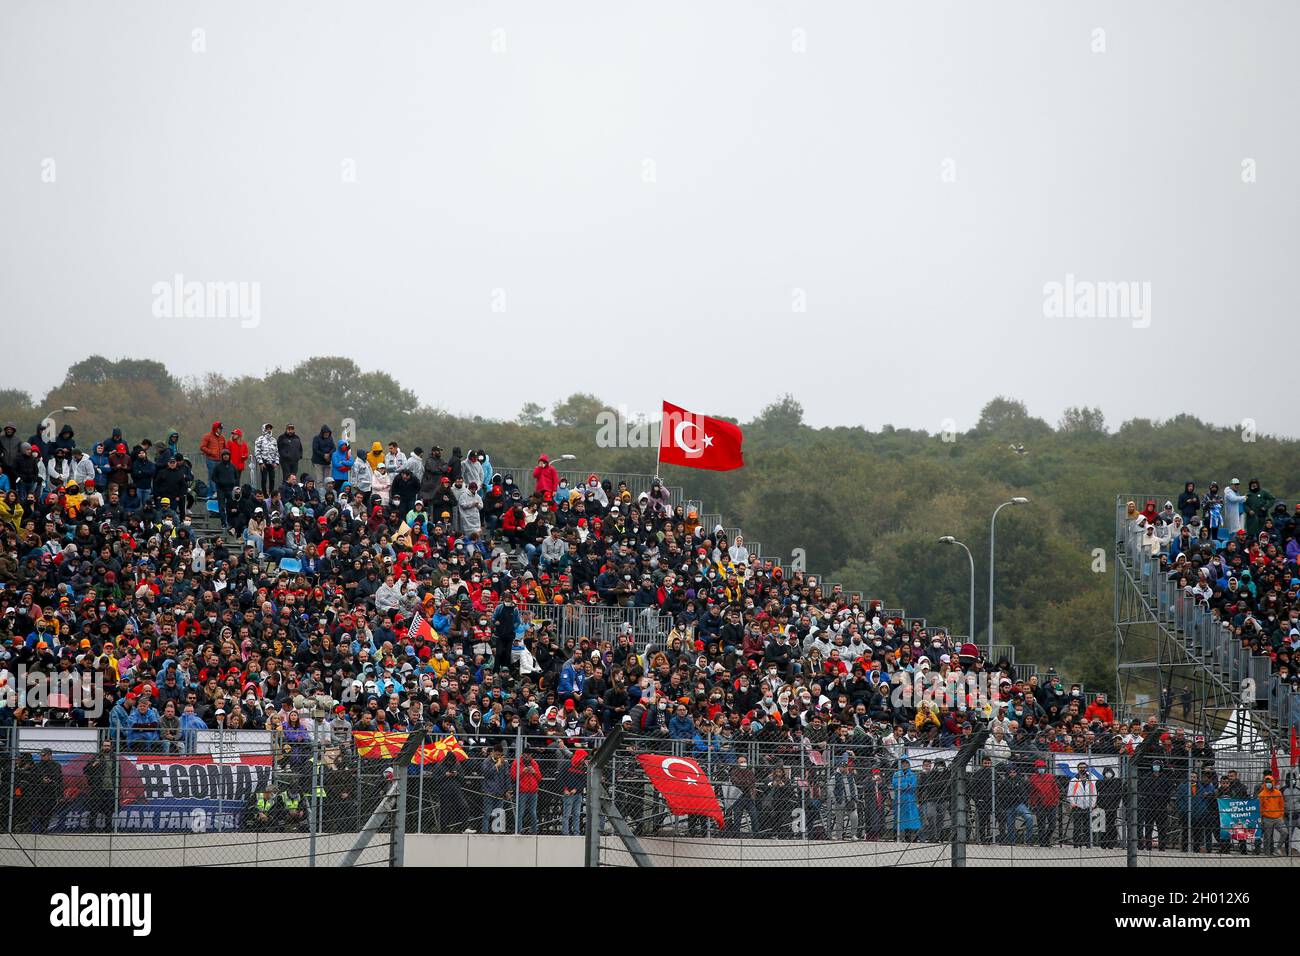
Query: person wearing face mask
column 1155, row 792
column 1044, row 801
column 1272, row 817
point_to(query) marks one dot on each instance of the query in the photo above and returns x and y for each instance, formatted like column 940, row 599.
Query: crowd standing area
column 340, row 592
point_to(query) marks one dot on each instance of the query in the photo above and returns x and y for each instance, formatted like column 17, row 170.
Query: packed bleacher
column 1232, row 551
column 299, row 585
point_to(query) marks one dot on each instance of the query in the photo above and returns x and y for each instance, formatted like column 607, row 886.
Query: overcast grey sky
column 509, row 201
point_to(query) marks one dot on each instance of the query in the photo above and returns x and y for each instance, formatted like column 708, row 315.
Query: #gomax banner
column 195, row 793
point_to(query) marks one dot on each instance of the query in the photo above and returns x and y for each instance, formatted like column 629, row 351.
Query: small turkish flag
column 698, row 441
column 684, row 786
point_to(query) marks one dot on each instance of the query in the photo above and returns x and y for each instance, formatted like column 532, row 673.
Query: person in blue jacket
column 680, row 725
column 572, row 677
column 908, row 822
column 118, row 718
column 341, row 463
column 142, row 725
column 99, row 458
column 191, row 724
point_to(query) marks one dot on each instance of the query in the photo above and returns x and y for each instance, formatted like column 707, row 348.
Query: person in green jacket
column 1258, row 503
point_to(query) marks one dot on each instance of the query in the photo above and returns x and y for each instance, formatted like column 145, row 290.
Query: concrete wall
column 492, row 849
column 280, row 849
column 507, row 850
column 668, row 852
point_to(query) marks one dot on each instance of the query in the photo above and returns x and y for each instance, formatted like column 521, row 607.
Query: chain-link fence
column 198, row 798
column 984, row 805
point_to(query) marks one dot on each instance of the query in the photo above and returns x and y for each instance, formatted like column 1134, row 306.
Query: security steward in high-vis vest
column 265, row 810
column 295, row 810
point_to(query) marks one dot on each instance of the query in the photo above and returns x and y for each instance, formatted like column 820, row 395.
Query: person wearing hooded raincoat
column 906, row 810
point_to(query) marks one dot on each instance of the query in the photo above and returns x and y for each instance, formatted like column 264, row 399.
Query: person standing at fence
column 1012, row 794
column 907, row 814
column 1082, row 796
column 496, row 783
column 981, row 795
column 875, row 805
column 1155, row 791
column 101, row 785
column 572, row 780
column 1044, row 801
column 781, row 806
column 745, row 804
column 525, row 770
column 1110, row 794
column 1272, row 816
column 46, row 792
column 843, row 797
column 1204, row 803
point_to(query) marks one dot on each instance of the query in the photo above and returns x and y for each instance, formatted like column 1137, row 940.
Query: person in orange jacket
column 1272, row 814
column 529, row 776
column 238, row 449
column 211, row 446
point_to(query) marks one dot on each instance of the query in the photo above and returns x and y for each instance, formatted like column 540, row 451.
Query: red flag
column 1273, row 768
column 420, row 628
column 697, row 441
column 1295, row 750
column 683, row 784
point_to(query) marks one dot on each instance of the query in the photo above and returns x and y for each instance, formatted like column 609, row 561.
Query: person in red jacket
column 1099, row 710
column 545, row 477
column 1044, row 798
column 238, row 449
column 512, row 525
column 530, row 780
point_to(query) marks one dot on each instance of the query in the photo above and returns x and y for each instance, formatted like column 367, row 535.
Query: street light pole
column 949, row 539
column 992, row 533
column 49, row 417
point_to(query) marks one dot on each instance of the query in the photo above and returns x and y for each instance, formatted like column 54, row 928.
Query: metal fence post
column 518, row 768
column 312, row 806
column 803, row 795
column 1130, row 812
column 397, row 852
column 12, row 734
column 419, row 807
column 117, row 790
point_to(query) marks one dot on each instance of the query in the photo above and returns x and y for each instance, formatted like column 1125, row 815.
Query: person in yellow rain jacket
column 375, row 457
column 1272, row 815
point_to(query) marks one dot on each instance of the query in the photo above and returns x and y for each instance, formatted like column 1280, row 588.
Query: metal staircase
column 1167, row 641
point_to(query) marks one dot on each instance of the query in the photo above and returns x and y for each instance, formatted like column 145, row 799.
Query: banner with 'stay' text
column 1238, row 819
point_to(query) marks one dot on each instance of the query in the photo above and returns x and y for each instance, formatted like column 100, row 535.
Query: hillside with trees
column 866, row 506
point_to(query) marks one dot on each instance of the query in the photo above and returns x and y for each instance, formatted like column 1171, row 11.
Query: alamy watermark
column 621, row 428
column 181, row 299
column 1086, row 299
column 57, row 691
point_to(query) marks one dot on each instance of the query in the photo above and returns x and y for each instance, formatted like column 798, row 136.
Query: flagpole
column 659, row 445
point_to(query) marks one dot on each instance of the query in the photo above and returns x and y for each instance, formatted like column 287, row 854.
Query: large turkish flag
column 698, row 441
column 683, row 784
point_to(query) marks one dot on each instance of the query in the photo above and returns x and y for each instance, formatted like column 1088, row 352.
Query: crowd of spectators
column 1235, row 553
column 378, row 590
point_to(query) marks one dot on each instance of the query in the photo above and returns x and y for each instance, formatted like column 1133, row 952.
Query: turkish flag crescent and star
column 684, row 786
column 697, row 441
